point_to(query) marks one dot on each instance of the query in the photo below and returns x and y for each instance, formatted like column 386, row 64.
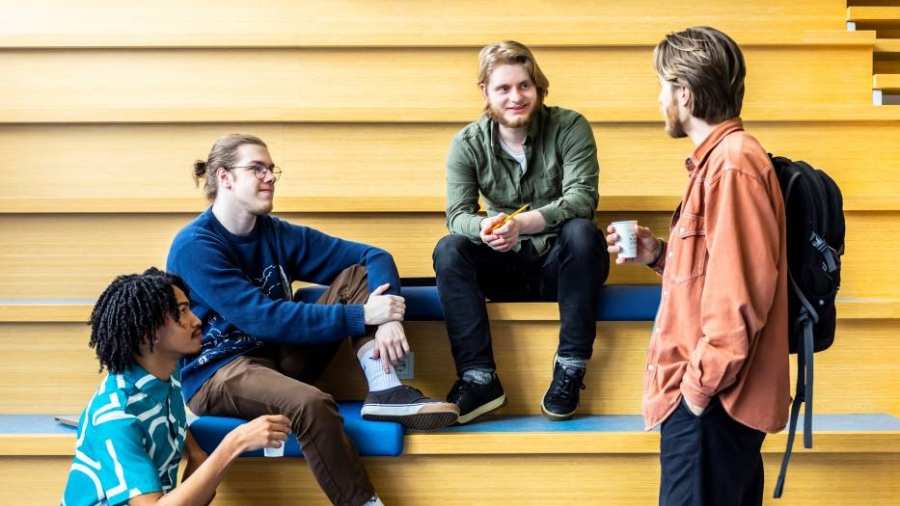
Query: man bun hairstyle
column 130, row 311
column 708, row 63
column 223, row 154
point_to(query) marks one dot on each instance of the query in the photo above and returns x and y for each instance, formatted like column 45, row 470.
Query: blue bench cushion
column 381, row 439
column 617, row 302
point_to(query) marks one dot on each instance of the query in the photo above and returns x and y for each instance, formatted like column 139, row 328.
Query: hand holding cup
column 631, row 242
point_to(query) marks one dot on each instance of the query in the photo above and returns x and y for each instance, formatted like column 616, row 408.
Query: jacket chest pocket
column 689, row 252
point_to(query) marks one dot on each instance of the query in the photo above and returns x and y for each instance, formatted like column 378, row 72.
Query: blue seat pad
column 616, row 303
column 381, row 439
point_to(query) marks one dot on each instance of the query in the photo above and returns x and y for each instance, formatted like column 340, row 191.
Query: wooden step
column 889, row 83
column 390, row 167
column 39, row 435
column 341, row 204
column 538, row 480
column 874, row 16
column 856, row 375
column 619, row 468
column 76, row 256
column 286, row 23
column 171, row 86
column 887, row 47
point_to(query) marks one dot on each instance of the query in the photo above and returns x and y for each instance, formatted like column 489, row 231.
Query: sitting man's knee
column 449, row 249
column 579, row 230
column 313, row 406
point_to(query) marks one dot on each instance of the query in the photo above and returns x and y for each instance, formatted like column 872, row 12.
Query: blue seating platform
column 374, row 439
column 616, row 303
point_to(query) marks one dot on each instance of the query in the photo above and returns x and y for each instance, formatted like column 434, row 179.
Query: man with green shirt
column 520, row 152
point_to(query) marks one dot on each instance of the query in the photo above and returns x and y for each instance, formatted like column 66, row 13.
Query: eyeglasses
column 260, row 171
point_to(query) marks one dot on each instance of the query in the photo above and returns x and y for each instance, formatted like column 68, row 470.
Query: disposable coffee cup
column 627, row 243
column 274, row 452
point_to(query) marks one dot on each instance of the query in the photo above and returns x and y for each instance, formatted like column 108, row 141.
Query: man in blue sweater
column 261, row 348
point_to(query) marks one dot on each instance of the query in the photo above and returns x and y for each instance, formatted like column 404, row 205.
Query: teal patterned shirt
column 130, row 440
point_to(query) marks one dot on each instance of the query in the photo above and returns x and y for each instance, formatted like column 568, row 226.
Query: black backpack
column 814, row 213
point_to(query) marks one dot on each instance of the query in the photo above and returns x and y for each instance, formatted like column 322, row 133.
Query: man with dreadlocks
column 262, row 350
column 133, row 432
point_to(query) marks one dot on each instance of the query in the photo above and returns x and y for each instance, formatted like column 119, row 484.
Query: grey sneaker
column 409, row 407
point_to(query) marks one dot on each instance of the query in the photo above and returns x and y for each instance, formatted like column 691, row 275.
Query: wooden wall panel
column 128, row 163
column 857, row 375
column 626, row 480
column 397, row 22
column 389, row 84
column 72, row 256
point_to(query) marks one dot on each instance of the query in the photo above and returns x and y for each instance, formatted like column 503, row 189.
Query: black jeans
column 709, row 460
column 572, row 271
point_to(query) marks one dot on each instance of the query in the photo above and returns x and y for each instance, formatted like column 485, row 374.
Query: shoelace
column 460, row 388
column 567, row 387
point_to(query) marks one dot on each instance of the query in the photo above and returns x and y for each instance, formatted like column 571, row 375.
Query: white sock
column 374, row 501
column 374, row 370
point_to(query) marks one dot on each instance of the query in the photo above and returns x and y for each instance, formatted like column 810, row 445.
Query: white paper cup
column 627, row 243
column 274, row 452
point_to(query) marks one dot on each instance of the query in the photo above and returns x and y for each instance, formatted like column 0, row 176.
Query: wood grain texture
column 877, row 15
column 389, row 167
column 76, row 256
column 815, row 480
column 169, row 23
column 862, row 356
column 413, row 85
column 886, row 82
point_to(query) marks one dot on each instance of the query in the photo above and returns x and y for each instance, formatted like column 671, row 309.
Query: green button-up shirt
column 560, row 181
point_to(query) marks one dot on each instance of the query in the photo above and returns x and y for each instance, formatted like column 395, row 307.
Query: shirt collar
column 149, row 384
column 701, row 152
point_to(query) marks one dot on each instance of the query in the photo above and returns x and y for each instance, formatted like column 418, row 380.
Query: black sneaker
column 561, row 399
column 475, row 399
column 407, row 406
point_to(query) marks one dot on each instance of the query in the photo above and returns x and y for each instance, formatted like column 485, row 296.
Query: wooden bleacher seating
column 101, row 116
column 885, row 21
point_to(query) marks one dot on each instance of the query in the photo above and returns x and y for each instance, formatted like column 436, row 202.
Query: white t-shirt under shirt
column 518, row 156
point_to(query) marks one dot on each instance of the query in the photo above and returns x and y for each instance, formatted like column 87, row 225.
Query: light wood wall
column 626, row 480
column 104, row 107
column 856, row 376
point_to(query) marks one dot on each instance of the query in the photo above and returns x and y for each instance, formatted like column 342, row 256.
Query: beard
column 673, row 125
column 498, row 115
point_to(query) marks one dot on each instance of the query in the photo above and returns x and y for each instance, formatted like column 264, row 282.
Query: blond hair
column 708, row 63
column 223, row 154
column 510, row 52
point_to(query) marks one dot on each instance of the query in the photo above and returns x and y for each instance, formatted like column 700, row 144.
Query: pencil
column 506, row 220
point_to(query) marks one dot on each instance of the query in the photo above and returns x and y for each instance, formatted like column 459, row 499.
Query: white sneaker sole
column 482, row 410
column 428, row 416
column 556, row 417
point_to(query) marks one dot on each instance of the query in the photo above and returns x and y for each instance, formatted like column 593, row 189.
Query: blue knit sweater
column 240, row 288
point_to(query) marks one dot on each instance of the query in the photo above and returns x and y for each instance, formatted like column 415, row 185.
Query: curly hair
column 131, row 309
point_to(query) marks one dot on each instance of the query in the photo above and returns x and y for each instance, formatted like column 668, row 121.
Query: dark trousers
column 710, row 460
column 277, row 379
column 572, row 272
